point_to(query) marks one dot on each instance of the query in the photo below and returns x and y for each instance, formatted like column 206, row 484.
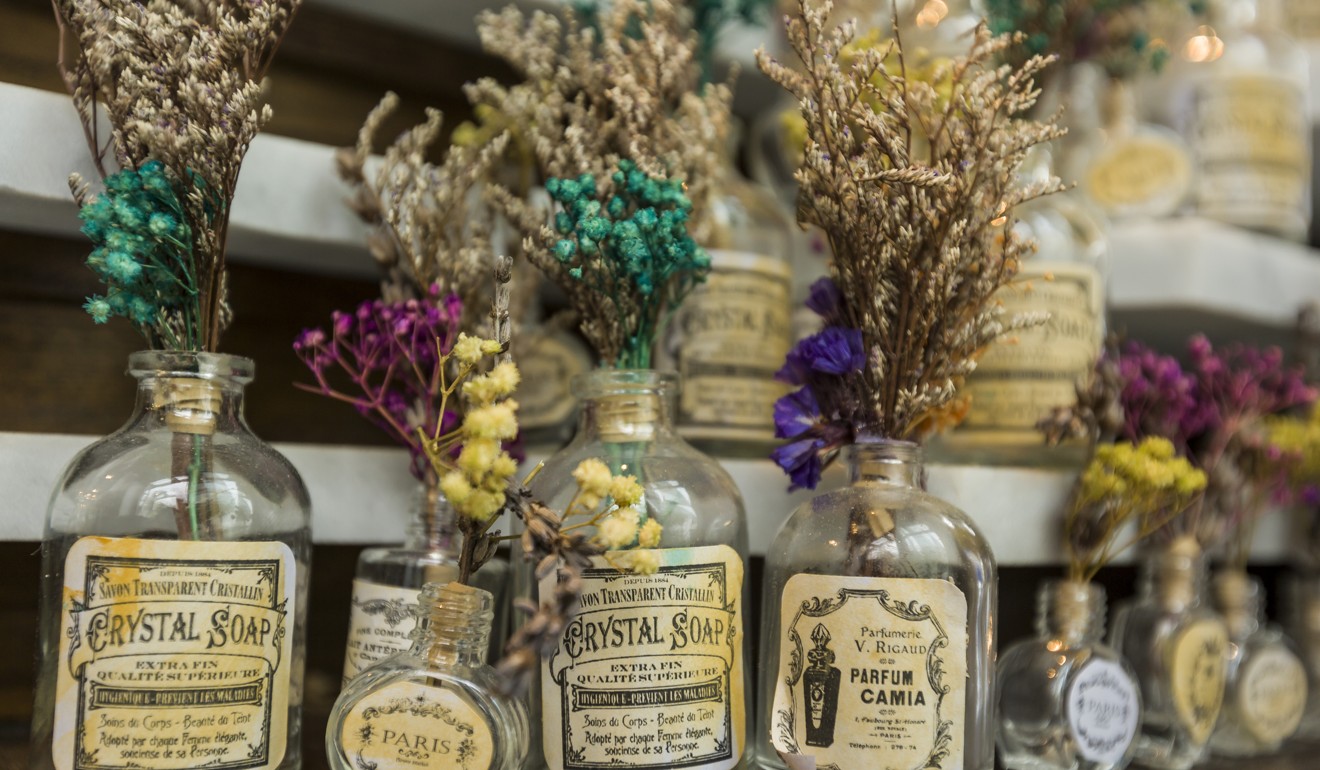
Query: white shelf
column 288, row 208
column 362, row 496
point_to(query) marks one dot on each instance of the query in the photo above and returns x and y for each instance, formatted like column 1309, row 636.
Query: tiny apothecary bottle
column 438, row 705
column 1066, row 700
column 877, row 625
column 174, row 586
column 385, row 588
column 1266, row 688
column 1178, row 649
column 651, row 672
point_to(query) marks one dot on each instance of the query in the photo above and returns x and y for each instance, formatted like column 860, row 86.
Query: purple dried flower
column 825, row 299
column 834, row 350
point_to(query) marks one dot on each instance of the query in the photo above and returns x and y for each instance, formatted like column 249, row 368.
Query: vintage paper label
column 1103, row 711
column 380, row 623
column 174, row 654
column 871, row 667
column 1142, row 171
column 1249, row 133
column 408, row 725
column 1198, row 667
column 650, row 672
column 548, row 365
column 1271, row 694
column 729, row 338
column 1017, row 383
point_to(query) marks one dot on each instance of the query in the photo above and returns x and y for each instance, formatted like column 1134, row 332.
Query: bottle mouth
column 624, row 382
column 191, row 364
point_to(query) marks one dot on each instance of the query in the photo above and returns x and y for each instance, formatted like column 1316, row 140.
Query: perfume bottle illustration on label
column 821, row 691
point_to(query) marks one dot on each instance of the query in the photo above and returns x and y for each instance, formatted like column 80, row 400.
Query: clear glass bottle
column 1066, row 700
column 896, row 590
column 437, row 705
column 652, row 672
column 1178, row 649
column 175, row 567
column 1017, row 382
column 1304, row 604
column 1247, row 120
column 1265, row 690
column 385, row 587
column 732, row 332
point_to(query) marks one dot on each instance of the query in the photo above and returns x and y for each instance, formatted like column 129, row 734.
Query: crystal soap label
column 1104, row 710
column 406, row 725
column 1198, row 668
column 871, row 667
column 380, row 624
column 174, row 654
column 650, row 672
column 1271, row 694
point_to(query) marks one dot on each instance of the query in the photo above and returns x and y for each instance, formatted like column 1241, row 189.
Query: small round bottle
column 1265, row 691
column 1178, row 649
column 877, row 640
column 437, row 705
column 1067, row 701
column 385, row 587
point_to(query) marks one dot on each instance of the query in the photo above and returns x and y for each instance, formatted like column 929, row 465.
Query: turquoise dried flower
column 626, row 256
column 143, row 253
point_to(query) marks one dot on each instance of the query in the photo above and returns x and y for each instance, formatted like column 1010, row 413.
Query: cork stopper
column 1237, row 597
column 190, row 405
column 458, row 618
column 1071, row 611
column 1177, row 573
column 628, row 417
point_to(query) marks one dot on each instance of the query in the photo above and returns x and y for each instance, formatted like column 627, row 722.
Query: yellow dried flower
column 493, row 421
column 625, row 490
column 478, row 456
column 504, row 466
column 618, row 530
column 467, row 349
column 456, row 489
column 644, row 562
column 649, row 536
column 593, row 476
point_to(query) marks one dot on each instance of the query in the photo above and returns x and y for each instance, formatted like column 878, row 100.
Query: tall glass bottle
column 1178, row 649
column 1265, row 690
column 896, row 590
column 1066, row 700
column 732, row 332
column 382, row 609
column 438, row 705
column 1248, row 123
column 174, row 585
column 1017, row 382
column 652, row 672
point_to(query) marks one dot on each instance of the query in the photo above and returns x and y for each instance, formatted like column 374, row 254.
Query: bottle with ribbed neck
column 1067, row 700
column 385, row 588
column 438, row 705
column 182, row 516
column 1178, row 649
column 896, row 589
column 1265, row 690
column 647, row 654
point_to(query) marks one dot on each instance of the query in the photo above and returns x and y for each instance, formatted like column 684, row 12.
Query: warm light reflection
column 1051, row 674
column 834, row 543
column 1000, row 216
column 1054, row 645
column 1063, row 660
column 1203, row 46
column 932, row 13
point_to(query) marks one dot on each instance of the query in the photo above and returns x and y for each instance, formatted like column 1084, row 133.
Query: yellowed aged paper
column 174, row 654
column 1272, row 694
column 650, row 672
column 407, row 725
column 1198, row 667
column 872, row 673
column 381, row 620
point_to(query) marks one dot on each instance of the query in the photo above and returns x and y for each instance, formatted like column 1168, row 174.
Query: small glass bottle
column 652, row 671
column 1178, row 649
column 385, row 588
column 438, row 705
column 731, row 333
column 1066, row 700
column 896, row 590
column 175, row 567
column 1017, row 382
column 1265, row 691
column 1247, row 122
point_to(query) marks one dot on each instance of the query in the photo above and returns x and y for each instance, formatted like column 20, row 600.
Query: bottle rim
column 612, row 382
column 192, row 364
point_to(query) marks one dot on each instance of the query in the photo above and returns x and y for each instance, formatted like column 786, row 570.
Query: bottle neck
column 1240, row 599
column 433, row 526
column 453, row 625
column 1174, row 577
column 882, row 461
column 1070, row 612
column 622, row 406
column 190, row 393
